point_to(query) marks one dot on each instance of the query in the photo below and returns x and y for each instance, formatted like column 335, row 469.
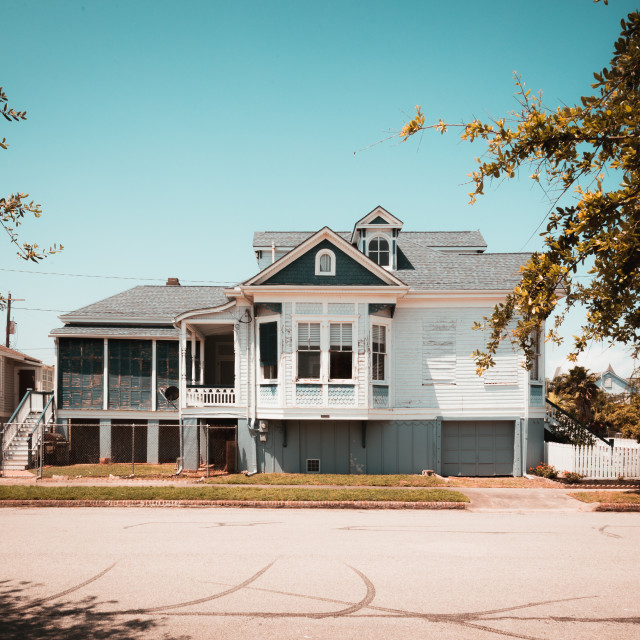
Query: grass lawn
column 619, row 497
column 22, row 492
column 291, row 479
column 329, row 479
column 105, row 470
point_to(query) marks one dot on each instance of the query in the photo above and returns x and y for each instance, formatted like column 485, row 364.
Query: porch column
column 202, row 361
column 193, row 357
column 153, row 441
column 190, row 451
column 183, row 364
column 105, row 439
column 154, row 377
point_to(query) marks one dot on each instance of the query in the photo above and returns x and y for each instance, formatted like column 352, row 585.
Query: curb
column 617, row 506
column 265, row 504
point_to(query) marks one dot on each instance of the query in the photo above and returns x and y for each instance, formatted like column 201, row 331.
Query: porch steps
column 15, row 456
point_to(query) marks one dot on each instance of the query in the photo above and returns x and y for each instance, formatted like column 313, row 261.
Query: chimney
column 173, row 282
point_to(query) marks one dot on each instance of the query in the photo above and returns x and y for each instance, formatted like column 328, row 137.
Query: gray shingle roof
column 427, row 238
column 145, row 332
column 158, row 302
column 426, row 269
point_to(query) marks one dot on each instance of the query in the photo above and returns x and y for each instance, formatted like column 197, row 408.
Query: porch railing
column 205, row 396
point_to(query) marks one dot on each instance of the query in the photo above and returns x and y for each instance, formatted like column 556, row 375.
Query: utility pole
column 9, row 299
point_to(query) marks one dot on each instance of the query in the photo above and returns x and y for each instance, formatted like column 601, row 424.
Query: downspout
column 181, row 396
column 253, row 377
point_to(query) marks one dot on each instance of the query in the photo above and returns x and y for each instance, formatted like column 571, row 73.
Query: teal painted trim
column 439, row 445
column 375, row 308
column 517, row 447
column 80, row 373
column 379, row 220
column 348, row 271
column 274, row 307
column 130, row 374
column 105, row 438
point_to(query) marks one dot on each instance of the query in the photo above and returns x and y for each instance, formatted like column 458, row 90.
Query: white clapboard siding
column 467, row 393
column 438, row 351
column 599, row 461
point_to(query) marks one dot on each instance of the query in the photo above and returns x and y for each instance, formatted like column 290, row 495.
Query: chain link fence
column 203, row 448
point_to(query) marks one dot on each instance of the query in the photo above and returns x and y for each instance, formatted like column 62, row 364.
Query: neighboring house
column 610, row 382
column 348, row 352
column 18, row 372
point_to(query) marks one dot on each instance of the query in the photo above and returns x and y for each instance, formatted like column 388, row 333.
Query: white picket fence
column 599, row 461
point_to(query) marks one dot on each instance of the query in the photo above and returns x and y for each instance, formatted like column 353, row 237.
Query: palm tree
column 577, row 393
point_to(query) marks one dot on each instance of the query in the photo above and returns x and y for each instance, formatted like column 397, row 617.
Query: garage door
column 477, row 448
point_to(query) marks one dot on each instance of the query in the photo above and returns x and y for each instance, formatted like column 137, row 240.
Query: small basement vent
column 313, row 465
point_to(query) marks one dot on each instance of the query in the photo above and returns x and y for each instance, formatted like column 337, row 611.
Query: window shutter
column 268, row 343
column 438, row 352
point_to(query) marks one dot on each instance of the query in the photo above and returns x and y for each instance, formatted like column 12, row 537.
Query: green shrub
column 572, row 477
column 544, row 471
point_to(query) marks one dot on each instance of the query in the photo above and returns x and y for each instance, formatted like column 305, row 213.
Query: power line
column 85, row 275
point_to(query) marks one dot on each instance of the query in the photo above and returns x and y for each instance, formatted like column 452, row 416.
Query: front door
column 26, row 380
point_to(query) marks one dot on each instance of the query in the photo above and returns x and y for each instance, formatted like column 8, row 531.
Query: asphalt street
column 277, row 573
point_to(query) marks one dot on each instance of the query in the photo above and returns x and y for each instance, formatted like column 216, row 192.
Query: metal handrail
column 41, row 416
column 583, row 426
column 15, row 413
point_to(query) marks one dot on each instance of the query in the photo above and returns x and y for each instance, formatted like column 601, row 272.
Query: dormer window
column 379, row 251
column 325, row 263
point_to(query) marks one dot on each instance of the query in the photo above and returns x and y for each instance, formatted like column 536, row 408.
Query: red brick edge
column 267, row 504
column 618, row 506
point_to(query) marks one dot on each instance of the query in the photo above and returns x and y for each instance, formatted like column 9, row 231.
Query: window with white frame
column 379, row 251
column 325, row 263
column 268, row 350
column 309, row 350
column 340, row 351
column 534, row 372
column 378, row 352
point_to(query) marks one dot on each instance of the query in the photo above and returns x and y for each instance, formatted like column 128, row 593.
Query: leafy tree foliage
column 577, row 393
column 571, row 149
column 15, row 207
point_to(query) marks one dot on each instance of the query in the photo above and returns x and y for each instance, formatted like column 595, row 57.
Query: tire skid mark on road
column 367, row 600
column 215, row 596
column 66, row 592
column 427, row 529
column 209, row 525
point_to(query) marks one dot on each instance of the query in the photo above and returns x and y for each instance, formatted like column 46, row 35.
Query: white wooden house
column 348, row 352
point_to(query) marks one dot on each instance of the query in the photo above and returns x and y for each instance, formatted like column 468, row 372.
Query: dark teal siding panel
column 166, row 370
column 130, row 374
column 348, row 271
column 80, row 373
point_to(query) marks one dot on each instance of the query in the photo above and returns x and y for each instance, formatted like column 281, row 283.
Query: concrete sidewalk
column 523, row 500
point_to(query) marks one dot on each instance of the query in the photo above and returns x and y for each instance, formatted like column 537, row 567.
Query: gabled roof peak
column 378, row 217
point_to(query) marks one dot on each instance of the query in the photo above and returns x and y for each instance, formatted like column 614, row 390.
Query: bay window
column 378, row 352
column 340, row 351
column 269, row 350
column 309, row 350
column 325, row 351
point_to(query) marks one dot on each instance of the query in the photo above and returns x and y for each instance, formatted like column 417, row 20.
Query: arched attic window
column 325, row 263
column 379, row 251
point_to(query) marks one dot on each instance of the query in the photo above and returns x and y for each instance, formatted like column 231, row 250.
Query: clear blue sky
column 160, row 135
